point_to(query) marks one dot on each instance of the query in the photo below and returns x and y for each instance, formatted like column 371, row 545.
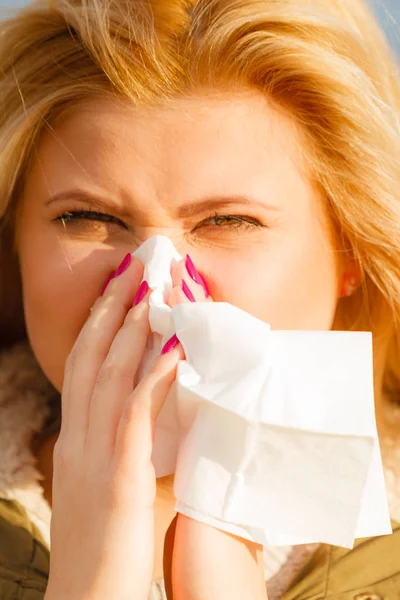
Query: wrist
column 213, row 564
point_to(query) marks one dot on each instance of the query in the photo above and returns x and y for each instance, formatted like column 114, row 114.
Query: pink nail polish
column 187, row 291
column 142, row 291
column 195, row 275
column 122, row 267
column 107, row 282
column 204, row 285
column 191, row 269
column 124, row 264
column 170, row 345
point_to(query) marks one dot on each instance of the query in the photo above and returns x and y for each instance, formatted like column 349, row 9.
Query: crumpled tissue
column 271, row 434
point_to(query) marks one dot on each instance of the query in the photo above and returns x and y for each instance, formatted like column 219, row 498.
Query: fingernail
column 170, row 345
column 195, row 275
column 142, row 291
column 187, row 291
column 107, row 282
column 191, row 269
column 124, row 264
column 203, row 283
column 122, row 267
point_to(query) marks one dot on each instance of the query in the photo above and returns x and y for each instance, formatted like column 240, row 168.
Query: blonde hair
column 326, row 62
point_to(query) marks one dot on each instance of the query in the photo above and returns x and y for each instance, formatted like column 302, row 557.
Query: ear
column 350, row 279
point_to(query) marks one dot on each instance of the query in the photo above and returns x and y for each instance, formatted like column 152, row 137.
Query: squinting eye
column 232, row 221
column 74, row 216
column 217, row 221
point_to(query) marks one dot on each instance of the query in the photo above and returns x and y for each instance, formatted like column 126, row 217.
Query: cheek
column 294, row 287
column 60, row 284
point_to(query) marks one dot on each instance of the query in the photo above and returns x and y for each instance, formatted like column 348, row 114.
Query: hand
column 104, row 485
column 207, row 563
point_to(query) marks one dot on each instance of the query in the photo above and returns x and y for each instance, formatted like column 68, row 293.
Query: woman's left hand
column 202, row 562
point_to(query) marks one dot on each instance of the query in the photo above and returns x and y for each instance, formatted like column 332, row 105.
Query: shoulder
column 24, row 557
column 370, row 571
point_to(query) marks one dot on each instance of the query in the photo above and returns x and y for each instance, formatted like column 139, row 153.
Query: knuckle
column 109, row 372
column 63, row 458
column 160, row 369
column 84, row 342
column 98, row 302
column 136, row 317
column 80, row 347
column 137, row 410
column 106, row 374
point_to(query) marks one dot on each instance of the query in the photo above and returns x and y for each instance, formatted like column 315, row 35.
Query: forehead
column 192, row 145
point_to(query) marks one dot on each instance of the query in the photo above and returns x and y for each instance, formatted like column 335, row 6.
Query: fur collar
column 24, row 408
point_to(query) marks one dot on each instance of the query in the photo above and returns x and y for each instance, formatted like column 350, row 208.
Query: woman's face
column 223, row 178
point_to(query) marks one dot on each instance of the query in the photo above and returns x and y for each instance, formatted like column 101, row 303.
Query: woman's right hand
column 104, row 485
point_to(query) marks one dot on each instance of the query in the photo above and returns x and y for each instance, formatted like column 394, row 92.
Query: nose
column 174, row 234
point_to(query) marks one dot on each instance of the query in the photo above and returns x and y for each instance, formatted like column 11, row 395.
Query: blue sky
column 387, row 11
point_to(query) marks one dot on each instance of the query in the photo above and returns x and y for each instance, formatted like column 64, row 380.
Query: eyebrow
column 185, row 211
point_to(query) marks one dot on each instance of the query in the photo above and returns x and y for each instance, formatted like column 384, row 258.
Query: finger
column 136, row 429
column 91, row 348
column 115, row 381
column 194, row 291
column 179, row 274
column 177, row 296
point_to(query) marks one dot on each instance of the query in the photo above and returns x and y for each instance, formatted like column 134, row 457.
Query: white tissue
column 271, row 434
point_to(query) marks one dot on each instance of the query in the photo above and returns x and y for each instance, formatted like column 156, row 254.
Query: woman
column 262, row 138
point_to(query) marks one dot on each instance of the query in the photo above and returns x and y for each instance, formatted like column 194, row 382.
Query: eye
column 75, row 216
column 230, row 221
column 216, row 221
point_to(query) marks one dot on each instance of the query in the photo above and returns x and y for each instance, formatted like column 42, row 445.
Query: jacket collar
column 25, row 395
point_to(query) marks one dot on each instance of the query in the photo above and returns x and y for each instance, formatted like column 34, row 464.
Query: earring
column 349, row 285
